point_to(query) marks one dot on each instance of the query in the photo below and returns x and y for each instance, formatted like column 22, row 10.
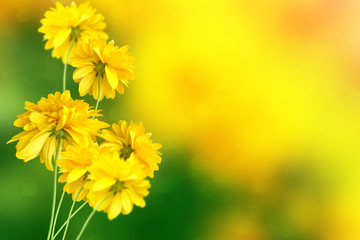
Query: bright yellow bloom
column 73, row 163
column 62, row 24
column 131, row 142
column 114, row 65
column 58, row 116
column 124, row 180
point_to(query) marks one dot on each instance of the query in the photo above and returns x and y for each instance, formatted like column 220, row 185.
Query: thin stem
column 61, row 228
column 98, row 99
column 71, row 209
column 56, row 215
column 91, row 214
column 55, row 181
column 65, row 64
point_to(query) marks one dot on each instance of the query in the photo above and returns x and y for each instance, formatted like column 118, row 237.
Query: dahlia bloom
column 63, row 25
column 121, row 183
column 112, row 64
column 55, row 118
column 74, row 163
column 131, row 142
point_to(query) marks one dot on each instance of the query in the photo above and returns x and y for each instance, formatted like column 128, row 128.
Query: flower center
column 59, row 133
column 99, row 68
column 117, row 187
column 75, row 33
column 126, row 152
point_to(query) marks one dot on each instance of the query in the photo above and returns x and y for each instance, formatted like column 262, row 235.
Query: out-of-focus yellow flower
column 131, row 142
column 73, row 163
column 124, row 180
column 62, row 25
column 58, row 116
column 114, row 65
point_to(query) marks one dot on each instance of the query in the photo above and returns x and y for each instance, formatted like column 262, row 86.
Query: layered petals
column 74, row 163
column 116, row 185
column 98, row 59
column 131, row 142
column 53, row 118
column 65, row 24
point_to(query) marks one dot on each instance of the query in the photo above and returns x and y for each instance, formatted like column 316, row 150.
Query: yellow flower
column 114, row 65
column 131, row 142
column 52, row 118
column 123, row 182
column 73, row 163
column 62, row 25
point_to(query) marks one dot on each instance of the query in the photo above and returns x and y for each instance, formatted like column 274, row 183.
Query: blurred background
column 256, row 104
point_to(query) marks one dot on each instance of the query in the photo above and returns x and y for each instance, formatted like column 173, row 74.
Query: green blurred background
column 256, row 104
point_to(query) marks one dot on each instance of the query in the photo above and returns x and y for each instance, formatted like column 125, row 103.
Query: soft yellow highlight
column 57, row 116
column 124, row 179
column 131, row 142
column 268, row 83
column 114, row 65
column 62, row 25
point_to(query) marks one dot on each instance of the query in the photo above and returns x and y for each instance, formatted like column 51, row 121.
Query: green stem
column 56, row 215
column 65, row 64
column 98, row 99
column 71, row 209
column 55, row 181
column 61, row 228
column 91, row 214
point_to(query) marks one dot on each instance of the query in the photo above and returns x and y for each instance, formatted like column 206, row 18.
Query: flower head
column 112, row 64
column 131, row 142
column 51, row 119
column 62, row 25
column 121, row 183
column 74, row 163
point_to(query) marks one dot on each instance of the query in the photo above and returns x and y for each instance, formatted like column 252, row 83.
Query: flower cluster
column 64, row 132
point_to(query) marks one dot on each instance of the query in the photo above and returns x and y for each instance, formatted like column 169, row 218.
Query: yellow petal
column 20, row 122
column 74, row 135
column 48, row 152
column 38, row 118
column 63, row 178
column 112, row 76
column 103, row 183
column 30, row 126
column 126, row 202
column 82, row 195
column 156, row 146
column 76, row 173
column 49, row 44
column 66, row 96
column 135, row 198
column 108, row 48
column 61, row 36
column 86, row 83
column 95, row 91
column 83, row 72
column 17, row 136
column 33, row 148
column 106, row 203
column 98, row 53
column 82, row 19
column 25, row 139
column 115, row 207
column 63, row 114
